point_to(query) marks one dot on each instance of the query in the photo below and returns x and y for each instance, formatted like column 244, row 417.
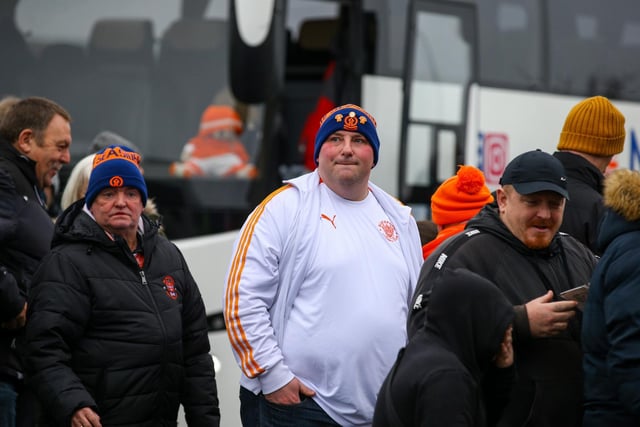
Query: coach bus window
column 577, row 43
column 510, row 44
column 583, row 35
column 442, row 68
column 442, row 62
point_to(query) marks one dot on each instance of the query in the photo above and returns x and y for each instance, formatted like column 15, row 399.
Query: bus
column 449, row 82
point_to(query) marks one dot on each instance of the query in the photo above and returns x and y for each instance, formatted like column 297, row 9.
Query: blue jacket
column 611, row 327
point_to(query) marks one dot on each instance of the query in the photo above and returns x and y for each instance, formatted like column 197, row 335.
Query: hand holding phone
column 579, row 294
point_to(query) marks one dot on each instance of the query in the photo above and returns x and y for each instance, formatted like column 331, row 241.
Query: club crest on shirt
column 170, row 287
column 388, row 230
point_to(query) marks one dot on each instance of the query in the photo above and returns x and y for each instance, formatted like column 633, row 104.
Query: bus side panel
column 208, row 259
column 504, row 123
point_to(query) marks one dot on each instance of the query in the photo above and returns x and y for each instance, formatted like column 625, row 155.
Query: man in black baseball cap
column 515, row 243
column 532, row 198
column 535, row 171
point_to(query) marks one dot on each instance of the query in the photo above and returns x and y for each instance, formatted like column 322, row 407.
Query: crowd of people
column 102, row 322
column 341, row 309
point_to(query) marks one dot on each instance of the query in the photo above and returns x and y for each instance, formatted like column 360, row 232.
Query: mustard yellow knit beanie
column 593, row 126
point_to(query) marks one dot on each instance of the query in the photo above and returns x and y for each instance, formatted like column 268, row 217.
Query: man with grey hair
column 107, row 138
column 35, row 135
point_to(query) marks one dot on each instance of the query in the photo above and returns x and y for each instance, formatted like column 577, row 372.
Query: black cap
column 535, row 171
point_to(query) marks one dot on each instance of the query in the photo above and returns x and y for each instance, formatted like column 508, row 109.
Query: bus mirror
column 256, row 66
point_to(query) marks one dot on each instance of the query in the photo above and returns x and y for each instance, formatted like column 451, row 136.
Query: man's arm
column 59, row 309
column 13, row 305
column 620, row 309
column 546, row 317
column 252, row 287
column 447, row 398
column 12, row 301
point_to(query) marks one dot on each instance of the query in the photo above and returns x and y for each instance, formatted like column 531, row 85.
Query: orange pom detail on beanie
column 460, row 197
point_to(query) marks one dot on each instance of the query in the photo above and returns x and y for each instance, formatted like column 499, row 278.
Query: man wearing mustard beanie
column 592, row 134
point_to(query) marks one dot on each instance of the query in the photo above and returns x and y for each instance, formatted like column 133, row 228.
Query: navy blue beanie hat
column 349, row 117
column 115, row 166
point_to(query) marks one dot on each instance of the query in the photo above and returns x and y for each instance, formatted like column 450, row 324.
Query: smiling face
column 49, row 149
column 118, row 211
column 345, row 162
column 533, row 218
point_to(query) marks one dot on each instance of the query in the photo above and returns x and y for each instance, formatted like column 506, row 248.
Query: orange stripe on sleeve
column 235, row 331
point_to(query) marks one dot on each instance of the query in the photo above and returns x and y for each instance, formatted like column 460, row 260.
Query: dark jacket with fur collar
column 611, row 328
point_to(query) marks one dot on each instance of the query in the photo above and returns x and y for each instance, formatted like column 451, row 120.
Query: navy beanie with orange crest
column 349, row 117
column 115, row 166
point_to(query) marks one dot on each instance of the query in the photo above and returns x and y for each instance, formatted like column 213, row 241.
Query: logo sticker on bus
column 635, row 151
column 494, row 154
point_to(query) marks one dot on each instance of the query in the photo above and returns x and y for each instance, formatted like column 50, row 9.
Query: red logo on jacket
column 170, row 287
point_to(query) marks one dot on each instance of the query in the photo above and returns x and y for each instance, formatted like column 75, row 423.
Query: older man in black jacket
column 117, row 331
column 35, row 136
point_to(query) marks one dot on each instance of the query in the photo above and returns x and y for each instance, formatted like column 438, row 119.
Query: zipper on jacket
column 143, row 278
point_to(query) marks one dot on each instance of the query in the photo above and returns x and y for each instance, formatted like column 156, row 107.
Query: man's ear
column 501, row 198
column 25, row 139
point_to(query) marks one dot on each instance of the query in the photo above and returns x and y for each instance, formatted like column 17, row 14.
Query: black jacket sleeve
column 59, row 309
column 11, row 298
column 448, row 399
column 497, row 385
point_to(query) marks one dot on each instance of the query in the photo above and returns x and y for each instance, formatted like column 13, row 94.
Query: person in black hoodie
column 117, row 331
column 437, row 378
column 610, row 330
column 514, row 242
column 35, row 135
column 592, row 134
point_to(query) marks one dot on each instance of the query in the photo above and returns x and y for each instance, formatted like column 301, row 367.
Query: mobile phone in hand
column 579, row 293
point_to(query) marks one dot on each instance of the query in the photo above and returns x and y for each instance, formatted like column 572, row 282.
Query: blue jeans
column 8, row 400
column 255, row 411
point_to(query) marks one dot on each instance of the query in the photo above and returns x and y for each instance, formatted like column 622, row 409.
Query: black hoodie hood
column 470, row 315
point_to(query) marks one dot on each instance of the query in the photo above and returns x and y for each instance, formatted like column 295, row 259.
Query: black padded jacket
column 129, row 342
column 25, row 237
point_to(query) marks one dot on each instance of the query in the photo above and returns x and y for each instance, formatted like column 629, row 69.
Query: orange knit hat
column 217, row 117
column 460, row 197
